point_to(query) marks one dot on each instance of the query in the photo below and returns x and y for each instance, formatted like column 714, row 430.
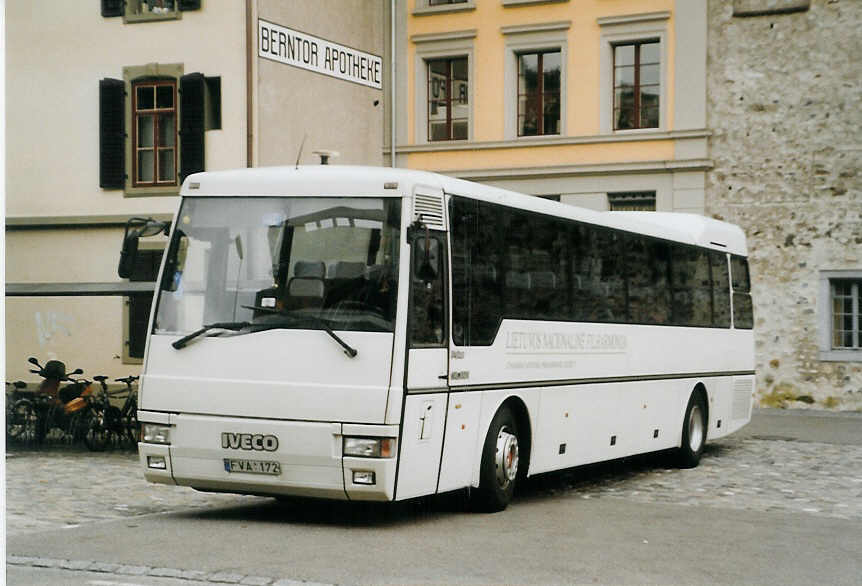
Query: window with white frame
column 637, row 85
column 846, row 299
column 448, row 99
column 839, row 311
column 539, row 93
column 633, row 71
column 534, row 78
column 442, row 82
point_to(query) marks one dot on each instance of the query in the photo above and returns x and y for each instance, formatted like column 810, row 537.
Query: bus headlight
column 153, row 433
column 369, row 447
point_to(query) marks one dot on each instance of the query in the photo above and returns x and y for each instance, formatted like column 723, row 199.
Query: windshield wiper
column 229, row 325
column 348, row 349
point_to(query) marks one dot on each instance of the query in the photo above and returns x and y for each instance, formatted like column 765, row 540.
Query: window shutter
column 112, row 134
column 112, row 8
column 192, row 123
column 189, row 4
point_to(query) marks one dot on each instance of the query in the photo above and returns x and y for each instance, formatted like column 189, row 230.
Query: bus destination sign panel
column 284, row 45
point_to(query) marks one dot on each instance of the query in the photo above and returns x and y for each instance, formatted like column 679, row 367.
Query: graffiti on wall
column 51, row 325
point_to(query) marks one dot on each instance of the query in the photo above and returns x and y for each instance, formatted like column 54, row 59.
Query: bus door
column 427, row 361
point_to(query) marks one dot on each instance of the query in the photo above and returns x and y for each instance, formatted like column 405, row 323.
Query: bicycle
column 129, row 410
column 107, row 426
column 21, row 420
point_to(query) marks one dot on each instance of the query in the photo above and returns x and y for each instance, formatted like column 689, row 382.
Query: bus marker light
column 368, row 447
column 363, row 477
column 155, row 434
column 157, row 462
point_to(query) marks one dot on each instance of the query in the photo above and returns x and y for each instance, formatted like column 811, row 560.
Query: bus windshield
column 288, row 262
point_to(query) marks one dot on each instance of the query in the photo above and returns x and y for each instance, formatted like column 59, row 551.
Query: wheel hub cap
column 506, row 458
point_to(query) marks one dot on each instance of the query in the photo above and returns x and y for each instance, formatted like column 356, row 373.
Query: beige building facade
column 111, row 104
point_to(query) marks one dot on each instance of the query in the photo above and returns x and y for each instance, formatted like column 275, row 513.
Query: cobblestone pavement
column 745, row 474
column 66, row 487
column 56, row 489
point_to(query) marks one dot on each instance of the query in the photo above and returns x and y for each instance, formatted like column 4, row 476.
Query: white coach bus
column 381, row 334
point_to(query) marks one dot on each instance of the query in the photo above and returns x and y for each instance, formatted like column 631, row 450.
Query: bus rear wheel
column 499, row 470
column 694, row 427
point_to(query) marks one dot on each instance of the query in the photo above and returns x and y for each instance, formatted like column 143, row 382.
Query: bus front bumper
column 266, row 457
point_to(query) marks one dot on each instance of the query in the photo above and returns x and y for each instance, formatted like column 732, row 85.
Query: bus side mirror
column 128, row 255
column 426, row 259
column 175, row 262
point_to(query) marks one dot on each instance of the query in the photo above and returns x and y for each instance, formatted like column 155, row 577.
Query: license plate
column 267, row 467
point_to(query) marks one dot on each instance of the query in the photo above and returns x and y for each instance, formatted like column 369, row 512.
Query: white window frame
column 824, row 317
column 453, row 45
column 424, row 7
column 619, row 30
column 521, row 39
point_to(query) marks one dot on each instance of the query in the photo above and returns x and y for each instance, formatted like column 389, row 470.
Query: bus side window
column 720, row 290
column 427, row 301
column 743, row 315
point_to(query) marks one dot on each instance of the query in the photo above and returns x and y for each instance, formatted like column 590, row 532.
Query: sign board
column 279, row 43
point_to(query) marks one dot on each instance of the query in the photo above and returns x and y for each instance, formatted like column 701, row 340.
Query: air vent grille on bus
column 430, row 208
column 742, row 389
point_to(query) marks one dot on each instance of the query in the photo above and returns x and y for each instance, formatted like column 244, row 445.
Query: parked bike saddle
column 54, row 369
column 100, row 378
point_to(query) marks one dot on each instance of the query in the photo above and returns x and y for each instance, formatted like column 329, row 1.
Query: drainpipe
column 392, row 103
column 249, row 83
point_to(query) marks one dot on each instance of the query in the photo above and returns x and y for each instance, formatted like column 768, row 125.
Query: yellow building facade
column 615, row 118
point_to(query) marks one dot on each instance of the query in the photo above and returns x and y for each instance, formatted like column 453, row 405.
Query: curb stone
column 179, row 574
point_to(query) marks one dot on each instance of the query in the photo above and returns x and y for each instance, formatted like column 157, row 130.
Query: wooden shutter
column 189, row 4
column 112, row 134
column 192, row 122
column 112, row 8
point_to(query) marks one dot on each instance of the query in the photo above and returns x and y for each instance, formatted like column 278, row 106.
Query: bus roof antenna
column 325, row 155
column 302, row 144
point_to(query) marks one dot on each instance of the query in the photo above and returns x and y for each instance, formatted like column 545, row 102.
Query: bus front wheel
column 694, row 427
column 500, row 459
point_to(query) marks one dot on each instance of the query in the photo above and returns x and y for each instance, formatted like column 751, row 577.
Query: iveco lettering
column 382, row 334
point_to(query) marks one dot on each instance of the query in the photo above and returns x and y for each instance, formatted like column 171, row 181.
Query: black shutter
column 191, row 124
column 112, row 134
column 112, row 8
column 189, row 4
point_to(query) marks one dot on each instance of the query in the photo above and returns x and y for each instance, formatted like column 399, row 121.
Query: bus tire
column 694, row 427
column 500, row 459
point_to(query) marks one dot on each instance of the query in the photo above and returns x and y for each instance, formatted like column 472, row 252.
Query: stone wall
column 784, row 95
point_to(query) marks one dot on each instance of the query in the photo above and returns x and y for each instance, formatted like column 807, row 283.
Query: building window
column 442, row 2
column 539, row 93
column 154, row 128
column 846, row 301
column 632, row 201
column 448, row 99
column 637, row 84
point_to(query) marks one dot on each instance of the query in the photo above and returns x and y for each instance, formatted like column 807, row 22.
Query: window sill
column 554, row 140
column 151, row 191
column 841, row 355
column 636, row 131
column 445, row 9
column 508, row 3
column 151, row 17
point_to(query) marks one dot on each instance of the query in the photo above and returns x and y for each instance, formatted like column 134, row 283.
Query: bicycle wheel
column 97, row 437
column 21, row 423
